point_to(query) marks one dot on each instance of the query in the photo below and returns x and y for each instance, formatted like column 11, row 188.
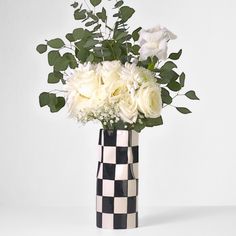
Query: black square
column 131, row 204
column 120, row 221
column 100, row 137
column 137, row 190
column 102, row 151
column 109, row 171
column 99, row 187
column 121, row 155
column 110, row 137
column 99, row 219
column 99, row 165
column 135, row 154
column 130, row 172
column 121, row 188
column 108, row 204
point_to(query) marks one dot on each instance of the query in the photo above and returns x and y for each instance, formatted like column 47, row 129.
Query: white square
column 135, row 138
column 100, row 171
column 107, row 221
column 131, row 221
column 109, row 155
column 132, row 188
column 135, row 169
column 108, row 188
column 130, row 155
column 122, row 138
column 120, row 205
column 121, row 172
column 99, row 204
column 99, row 153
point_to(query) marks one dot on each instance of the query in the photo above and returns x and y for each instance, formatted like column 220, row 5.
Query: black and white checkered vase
column 117, row 179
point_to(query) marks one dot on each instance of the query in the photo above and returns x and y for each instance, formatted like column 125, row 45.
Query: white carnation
column 153, row 42
column 83, row 88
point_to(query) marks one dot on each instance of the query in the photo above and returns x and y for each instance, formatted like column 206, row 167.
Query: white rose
column 109, row 71
column 116, row 90
column 153, row 42
column 149, row 100
column 128, row 109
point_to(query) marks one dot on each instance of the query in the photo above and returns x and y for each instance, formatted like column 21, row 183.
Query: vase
column 117, row 179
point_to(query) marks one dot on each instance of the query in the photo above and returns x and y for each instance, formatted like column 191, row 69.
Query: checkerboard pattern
column 117, row 179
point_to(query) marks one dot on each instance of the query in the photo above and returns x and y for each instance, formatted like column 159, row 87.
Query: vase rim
column 112, row 130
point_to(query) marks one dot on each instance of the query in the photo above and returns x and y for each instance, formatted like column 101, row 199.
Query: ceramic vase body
column 117, row 180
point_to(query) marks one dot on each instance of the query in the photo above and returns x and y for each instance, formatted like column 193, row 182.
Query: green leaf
column 139, row 127
column 78, row 33
column 135, row 34
column 55, row 103
column 176, row 56
column 75, row 4
column 135, row 49
column 72, row 61
column 165, row 92
column 95, row 2
column 90, row 58
column 56, row 43
column 174, row 86
column 169, row 65
column 83, row 54
column 91, row 43
column 120, row 35
column 61, row 64
column 150, row 122
column 50, row 99
column 162, row 81
column 183, row 110
column 126, row 13
column 97, row 27
column 92, row 16
column 80, row 15
column 119, row 4
column 167, row 100
column 101, row 52
column 191, row 95
column 60, row 103
column 70, row 37
column 102, row 15
column 117, row 50
column 43, row 99
column 165, row 95
column 182, row 79
column 52, row 57
column 168, row 76
column 55, row 77
column 41, row 48
column 90, row 23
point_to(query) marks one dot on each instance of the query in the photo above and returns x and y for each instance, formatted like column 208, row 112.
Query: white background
column 49, row 160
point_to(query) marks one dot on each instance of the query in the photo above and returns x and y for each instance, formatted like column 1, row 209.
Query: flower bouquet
column 121, row 78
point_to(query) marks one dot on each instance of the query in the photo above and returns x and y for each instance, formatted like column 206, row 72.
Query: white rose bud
column 153, row 42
